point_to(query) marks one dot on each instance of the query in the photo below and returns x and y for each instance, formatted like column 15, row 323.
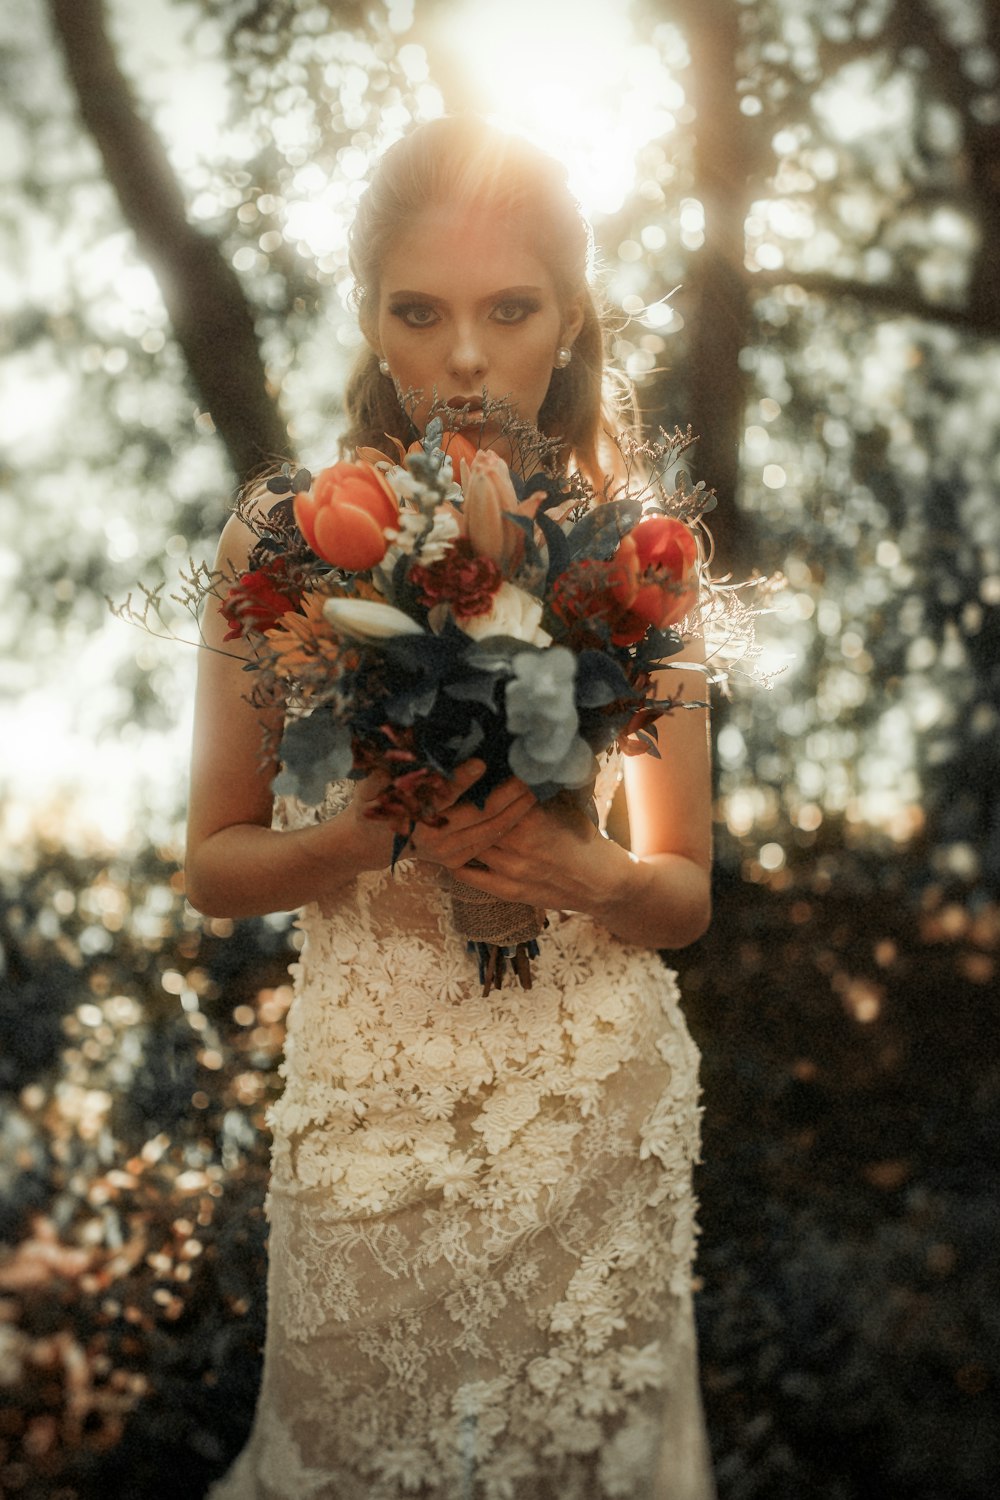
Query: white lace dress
column 481, row 1218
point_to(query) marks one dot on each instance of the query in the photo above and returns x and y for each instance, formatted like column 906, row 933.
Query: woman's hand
column 553, row 857
column 464, row 830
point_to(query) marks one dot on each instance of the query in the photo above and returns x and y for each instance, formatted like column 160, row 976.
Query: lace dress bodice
column 481, row 1215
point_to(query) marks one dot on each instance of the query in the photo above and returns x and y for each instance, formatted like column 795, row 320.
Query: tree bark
column 211, row 319
column 723, row 167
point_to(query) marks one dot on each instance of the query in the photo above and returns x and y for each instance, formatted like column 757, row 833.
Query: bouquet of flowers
column 413, row 611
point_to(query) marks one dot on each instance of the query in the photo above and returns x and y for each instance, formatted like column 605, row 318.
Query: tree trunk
column 211, row 318
column 723, row 167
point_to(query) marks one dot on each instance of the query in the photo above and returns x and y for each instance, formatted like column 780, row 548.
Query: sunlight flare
column 585, row 87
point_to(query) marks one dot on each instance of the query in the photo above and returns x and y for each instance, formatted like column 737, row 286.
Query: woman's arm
column 669, row 898
column 237, row 865
column 659, row 895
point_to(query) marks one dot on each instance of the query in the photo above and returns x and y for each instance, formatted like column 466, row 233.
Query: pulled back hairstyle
column 461, row 159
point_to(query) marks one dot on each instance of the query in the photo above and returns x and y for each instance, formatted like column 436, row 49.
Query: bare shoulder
column 243, row 529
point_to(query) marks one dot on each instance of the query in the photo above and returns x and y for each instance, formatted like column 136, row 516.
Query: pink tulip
column 490, row 501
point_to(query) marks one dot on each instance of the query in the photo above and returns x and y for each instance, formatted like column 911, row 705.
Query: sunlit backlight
column 579, row 83
column 179, row 71
column 83, row 791
column 857, row 103
column 771, row 856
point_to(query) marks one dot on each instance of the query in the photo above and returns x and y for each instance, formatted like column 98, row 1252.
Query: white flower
column 598, row 1057
column 641, row 1368
column 505, row 1112
column 438, row 1054
column 314, row 1166
column 456, row 1177
column 514, row 613
column 434, row 539
column 471, row 1068
column 356, row 1062
column 475, row 1397
column 574, row 1434
column 547, row 1373
column 406, row 486
column 597, row 1395
column 369, row 619
column 374, row 1178
column 408, row 1463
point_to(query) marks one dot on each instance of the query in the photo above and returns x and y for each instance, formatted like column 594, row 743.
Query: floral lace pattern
column 481, row 1218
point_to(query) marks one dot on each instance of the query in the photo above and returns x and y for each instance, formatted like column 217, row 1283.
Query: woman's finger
column 462, row 778
column 469, row 829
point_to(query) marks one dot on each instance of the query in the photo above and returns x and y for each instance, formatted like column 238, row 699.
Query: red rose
column 259, row 599
column 344, row 516
column 653, row 577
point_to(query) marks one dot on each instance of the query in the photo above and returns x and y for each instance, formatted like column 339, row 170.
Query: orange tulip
column 344, row 516
column 654, row 577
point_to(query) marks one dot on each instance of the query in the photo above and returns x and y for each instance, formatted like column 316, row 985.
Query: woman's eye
column 513, row 312
column 415, row 314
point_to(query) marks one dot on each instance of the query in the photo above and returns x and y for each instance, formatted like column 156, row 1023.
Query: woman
column 481, row 1211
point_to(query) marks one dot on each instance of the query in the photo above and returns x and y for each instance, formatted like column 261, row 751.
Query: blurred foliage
column 849, row 1328
column 140, row 1052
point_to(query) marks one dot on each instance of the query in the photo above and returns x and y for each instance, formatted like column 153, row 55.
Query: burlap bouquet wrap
column 500, row 931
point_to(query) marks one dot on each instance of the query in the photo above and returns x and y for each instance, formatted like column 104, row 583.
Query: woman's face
column 466, row 305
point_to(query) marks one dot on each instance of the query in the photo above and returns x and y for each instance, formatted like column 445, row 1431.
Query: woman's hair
column 462, row 159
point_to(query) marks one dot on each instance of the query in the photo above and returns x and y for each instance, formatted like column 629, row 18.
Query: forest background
column 797, row 206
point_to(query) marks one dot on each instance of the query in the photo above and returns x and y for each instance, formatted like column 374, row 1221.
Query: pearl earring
column 383, row 366
column 563, row 357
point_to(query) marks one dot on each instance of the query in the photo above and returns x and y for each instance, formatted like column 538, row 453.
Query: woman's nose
column 467, row 356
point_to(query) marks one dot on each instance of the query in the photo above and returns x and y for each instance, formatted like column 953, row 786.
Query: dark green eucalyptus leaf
column 599, row 680
column 496, row 652
column 462, row 746
column 598, row 533
column 558, row 547
column 482, row 688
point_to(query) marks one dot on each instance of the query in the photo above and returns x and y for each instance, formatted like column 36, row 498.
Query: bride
column 481, row 1216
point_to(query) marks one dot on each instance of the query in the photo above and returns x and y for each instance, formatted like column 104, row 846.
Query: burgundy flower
column 584, row 595
column 412, row 797
column 413, row 791
column 259, row 599
column 460, row 578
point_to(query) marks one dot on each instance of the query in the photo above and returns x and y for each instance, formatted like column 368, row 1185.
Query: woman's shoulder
column 256, row 514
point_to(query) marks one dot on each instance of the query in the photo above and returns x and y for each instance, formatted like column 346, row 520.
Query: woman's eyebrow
column 505, row 291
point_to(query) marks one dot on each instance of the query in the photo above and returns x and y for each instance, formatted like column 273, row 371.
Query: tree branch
column 211, row 319
column 977, row 319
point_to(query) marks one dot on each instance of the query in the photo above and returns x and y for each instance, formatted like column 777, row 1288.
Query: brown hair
column 462, row 158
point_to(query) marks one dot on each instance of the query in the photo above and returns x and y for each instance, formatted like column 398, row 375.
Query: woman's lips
column 465, row 412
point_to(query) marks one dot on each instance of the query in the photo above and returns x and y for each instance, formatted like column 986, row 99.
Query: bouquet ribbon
column 498, row 930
